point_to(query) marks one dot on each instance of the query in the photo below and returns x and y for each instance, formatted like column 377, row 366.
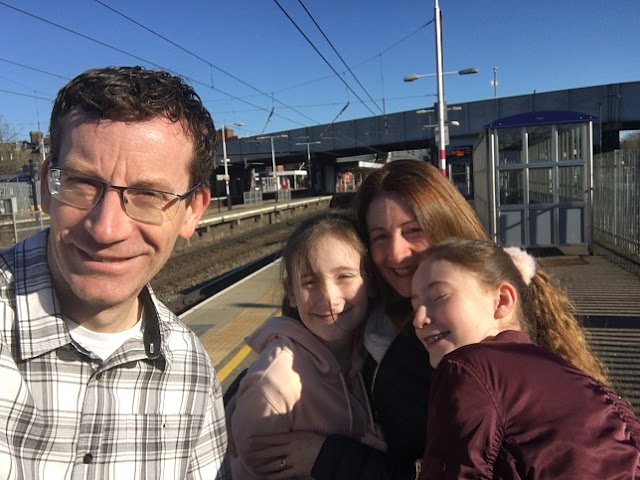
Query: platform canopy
column 541, row 118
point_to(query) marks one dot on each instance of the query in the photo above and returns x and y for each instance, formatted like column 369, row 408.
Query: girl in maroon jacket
column 505, row 402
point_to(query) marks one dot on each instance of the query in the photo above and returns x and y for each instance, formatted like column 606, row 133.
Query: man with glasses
column 97, row 378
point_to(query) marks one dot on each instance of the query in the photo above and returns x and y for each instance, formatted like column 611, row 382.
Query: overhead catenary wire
column 34, row 69
column 29, row 95
column 334, row 104
column 307, row 82
column 322, row 56
column 132, row 55
column 204, row 60
column 267, row 121
column 243, row 100
column 144, row 60
column 338, row 54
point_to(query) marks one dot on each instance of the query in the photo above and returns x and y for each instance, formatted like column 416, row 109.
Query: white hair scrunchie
column 524, row 262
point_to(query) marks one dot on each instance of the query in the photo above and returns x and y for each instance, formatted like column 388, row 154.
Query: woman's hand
column 280, row 456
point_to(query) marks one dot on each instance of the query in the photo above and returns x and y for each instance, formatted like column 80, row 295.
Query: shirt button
column 87, row 458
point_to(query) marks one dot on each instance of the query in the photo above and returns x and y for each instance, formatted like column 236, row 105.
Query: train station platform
column 224, row 320
column 606, row 297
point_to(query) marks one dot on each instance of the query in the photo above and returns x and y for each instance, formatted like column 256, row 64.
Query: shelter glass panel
column 509, row 146
column 511, row 228
column 511, row 185
column 541, row 226
column 539, row 146
column 570, row 144
column 541, row 185
column 570, row 183
column 571, row 225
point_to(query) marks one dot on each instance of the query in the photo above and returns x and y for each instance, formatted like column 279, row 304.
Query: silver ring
column 283, row 463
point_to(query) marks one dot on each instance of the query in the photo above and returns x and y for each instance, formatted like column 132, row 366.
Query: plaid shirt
column 153, row 410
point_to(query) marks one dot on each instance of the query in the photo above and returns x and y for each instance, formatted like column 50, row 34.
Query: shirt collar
column 39, row 323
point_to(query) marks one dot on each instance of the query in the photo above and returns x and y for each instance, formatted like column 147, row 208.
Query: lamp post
column 309, row 158
column 441, row 140
column 273, row 159
column 439, row 74
column 440, row 105
column 225, row 160
column 273, row 169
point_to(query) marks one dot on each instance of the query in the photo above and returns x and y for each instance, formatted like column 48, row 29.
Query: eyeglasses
column 84, row 192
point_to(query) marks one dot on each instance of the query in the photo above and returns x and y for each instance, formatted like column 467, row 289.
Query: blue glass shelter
column 533, row 178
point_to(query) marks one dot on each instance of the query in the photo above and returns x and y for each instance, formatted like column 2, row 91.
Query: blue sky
column 245, row 57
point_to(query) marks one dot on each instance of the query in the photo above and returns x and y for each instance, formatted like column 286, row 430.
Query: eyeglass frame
column 105, row 186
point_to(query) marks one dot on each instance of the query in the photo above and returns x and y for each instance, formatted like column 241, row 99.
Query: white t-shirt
column 101, row 344
column 379, row 333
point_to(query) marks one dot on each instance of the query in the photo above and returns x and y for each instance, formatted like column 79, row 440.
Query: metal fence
column 616, row 207
column 18, row 218
column 22, row 192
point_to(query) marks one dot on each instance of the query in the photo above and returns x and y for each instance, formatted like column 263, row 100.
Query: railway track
column 199, row 293
column 192, row 274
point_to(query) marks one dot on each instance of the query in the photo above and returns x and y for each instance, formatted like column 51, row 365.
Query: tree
column 12, row 155
column 630, row 141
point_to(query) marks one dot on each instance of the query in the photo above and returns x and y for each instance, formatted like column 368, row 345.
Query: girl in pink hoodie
column 307, row 376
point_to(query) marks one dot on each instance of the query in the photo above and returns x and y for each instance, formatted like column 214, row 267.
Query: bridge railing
column 616, row 207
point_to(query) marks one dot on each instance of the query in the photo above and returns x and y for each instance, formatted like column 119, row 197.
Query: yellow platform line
column 219, row 343
column 233, row 363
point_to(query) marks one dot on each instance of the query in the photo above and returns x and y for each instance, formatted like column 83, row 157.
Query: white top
column 379, row 333
column 101, row 344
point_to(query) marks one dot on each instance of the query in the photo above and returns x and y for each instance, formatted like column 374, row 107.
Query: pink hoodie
column 297, row 384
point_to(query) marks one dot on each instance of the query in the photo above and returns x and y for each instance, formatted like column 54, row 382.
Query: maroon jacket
column 508, row 409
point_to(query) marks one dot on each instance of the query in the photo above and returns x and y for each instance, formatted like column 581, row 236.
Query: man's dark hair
column 137, row 94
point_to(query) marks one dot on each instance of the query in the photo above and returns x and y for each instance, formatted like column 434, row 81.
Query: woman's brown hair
column 438, row 206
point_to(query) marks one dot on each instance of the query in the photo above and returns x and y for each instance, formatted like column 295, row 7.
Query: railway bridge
column 324, row 151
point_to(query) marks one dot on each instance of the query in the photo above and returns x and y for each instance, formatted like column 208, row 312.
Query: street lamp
column 225, row 160
column 453, row 123
column 273, row 158
column 309, row 158
column 439, row 74
column 464, row 71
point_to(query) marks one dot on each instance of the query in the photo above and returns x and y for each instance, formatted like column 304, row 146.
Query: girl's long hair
column 544, row 311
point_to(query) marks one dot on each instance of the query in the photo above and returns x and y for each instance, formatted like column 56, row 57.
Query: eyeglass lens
column 85, row 192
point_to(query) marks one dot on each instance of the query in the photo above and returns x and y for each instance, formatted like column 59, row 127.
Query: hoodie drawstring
column 346, row 394
column 372, row 423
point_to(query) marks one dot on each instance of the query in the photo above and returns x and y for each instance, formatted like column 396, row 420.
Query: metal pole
column 495, row 82
column 600, row 125
column 33, row 172
column 309, row 166
column 13, row 203
column 273, row 167
column 441, row 138
column 217, row 193
column 226, row 171
column 42, row 153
